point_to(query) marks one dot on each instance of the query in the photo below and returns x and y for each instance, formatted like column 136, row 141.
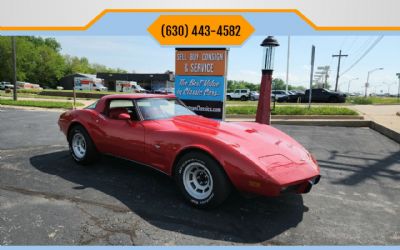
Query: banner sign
column 200, row 80
column 207, row 88
column 200, row 62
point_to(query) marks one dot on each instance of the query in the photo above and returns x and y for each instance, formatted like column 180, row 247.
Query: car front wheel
column 202, row 181
column 81, row 146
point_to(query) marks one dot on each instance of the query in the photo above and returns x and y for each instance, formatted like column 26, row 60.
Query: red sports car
column 206, row 157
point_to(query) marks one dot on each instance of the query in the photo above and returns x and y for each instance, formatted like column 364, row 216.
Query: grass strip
column 39, row 104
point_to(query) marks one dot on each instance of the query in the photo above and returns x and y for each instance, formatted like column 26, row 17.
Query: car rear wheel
column 243, row 98
column 81, row 146
column 201, row 180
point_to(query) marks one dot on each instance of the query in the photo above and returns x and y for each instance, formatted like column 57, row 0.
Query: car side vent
column 251, row 130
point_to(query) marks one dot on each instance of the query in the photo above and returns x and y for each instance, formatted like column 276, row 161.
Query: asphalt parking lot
column 45, row 198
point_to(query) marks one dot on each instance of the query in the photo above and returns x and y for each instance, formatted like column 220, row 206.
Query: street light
column 264, row 103
column 367, row 83
column 348, row 86
column 388, row 85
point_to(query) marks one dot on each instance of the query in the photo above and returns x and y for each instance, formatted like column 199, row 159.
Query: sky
column 142, row 54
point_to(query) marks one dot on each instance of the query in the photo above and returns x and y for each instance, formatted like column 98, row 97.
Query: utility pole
column 287, row 65
column 14, row 65
column 338, row 67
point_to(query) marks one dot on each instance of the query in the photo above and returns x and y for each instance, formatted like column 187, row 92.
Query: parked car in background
column 295, row 95
column 239, row 94
column 319, row 95
column 27, row 85
column 280, row 95
column 164, row 91
column 208, row 159
column 254, row 96
column 6, row 85
column 129, row 87
column 324, row 95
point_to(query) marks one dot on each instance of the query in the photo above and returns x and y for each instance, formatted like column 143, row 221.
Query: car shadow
column 154, row 197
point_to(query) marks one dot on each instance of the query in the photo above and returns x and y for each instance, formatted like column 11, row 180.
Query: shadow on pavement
column 357, row 169
column 155, row 198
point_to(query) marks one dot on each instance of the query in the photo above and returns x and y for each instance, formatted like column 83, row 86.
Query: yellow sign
column 201, row 30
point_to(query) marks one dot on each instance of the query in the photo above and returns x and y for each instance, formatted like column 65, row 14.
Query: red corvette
column 206, row 157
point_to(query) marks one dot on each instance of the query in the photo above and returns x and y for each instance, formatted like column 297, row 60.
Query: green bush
column 29, row 91
column 293, row 110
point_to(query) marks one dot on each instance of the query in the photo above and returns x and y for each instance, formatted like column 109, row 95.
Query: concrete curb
column 395, row 136
column 302, row 117
column 331, row 123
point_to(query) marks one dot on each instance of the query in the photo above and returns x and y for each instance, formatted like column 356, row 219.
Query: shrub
column 360, row 100
column 293, row 110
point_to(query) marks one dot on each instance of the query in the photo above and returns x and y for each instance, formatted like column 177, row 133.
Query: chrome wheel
column 79, row 145
column 197, row 180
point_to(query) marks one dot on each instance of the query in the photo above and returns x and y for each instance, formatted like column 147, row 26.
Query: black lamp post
column 264, row 103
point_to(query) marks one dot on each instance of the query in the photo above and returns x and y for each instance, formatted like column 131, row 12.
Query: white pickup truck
column 6, row 85
column 242, row 94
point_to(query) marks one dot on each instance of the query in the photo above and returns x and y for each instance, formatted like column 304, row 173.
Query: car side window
column 237, row 91
column 92, row 106
column 117, row 107
column 244, row 91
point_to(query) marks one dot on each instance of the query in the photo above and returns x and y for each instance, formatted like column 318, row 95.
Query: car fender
column 232, row 162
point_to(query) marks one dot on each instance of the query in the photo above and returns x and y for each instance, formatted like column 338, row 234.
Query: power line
column 363, row 55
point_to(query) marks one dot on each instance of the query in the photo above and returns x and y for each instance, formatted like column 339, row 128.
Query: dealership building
column 146, row 81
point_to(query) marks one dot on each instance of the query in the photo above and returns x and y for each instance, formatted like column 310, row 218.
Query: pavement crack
column 109, row 230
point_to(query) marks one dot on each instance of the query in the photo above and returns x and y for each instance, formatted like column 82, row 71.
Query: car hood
column 256, row 141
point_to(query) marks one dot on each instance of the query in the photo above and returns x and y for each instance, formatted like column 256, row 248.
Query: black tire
column 229, row 98
column 333, row 99
column 243, row 98
column 90, row 154
column 220, row 186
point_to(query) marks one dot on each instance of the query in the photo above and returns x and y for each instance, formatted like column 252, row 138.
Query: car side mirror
column 124, row 116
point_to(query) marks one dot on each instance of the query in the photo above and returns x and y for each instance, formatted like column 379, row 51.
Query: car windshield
column 161, row 108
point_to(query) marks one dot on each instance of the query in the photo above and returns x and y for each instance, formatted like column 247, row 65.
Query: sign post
column 311, row 75
column 200, row 80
